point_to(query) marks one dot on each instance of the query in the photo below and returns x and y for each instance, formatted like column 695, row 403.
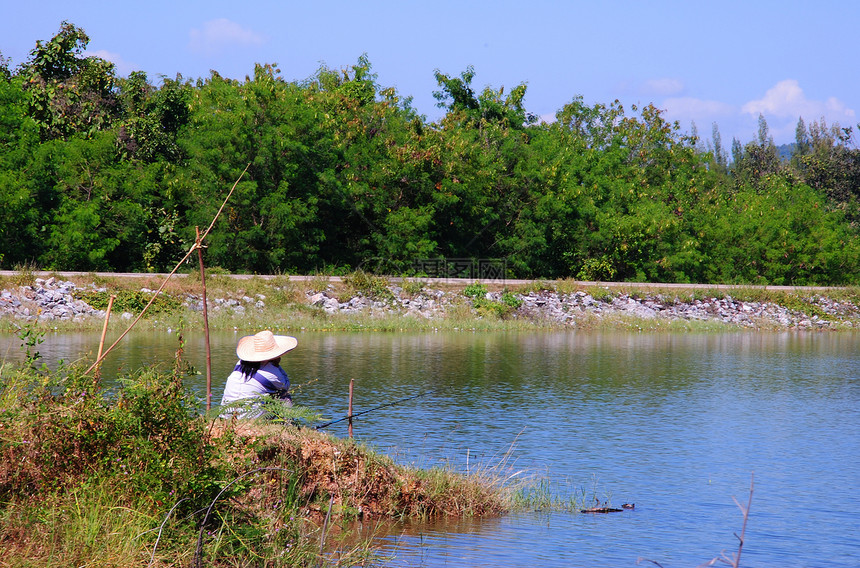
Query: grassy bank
column 139, row 476
column 283, row 303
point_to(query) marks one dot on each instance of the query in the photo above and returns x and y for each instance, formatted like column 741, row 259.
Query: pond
column 676, row 423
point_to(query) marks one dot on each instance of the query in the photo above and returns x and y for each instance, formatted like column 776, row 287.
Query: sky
column 723, row 62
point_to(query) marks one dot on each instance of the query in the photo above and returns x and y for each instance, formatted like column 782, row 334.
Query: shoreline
column 361, row 301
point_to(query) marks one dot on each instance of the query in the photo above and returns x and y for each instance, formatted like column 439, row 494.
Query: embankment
column 432, row 304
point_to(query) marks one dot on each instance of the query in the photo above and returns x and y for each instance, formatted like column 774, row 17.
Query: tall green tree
column 827, row 159
column 759, row 159
column 69, row 93
column 22, row 214
column 483, row 192
column 152, row 118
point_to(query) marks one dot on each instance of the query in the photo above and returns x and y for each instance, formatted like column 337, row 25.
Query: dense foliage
column 99, row 172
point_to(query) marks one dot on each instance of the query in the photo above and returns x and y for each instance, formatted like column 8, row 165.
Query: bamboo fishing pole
column 169, row 276
column 97, row 373
column 205, row 323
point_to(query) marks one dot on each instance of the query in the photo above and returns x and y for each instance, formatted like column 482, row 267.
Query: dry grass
column 355, row 481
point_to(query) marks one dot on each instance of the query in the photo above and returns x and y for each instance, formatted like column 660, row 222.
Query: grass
column 547, row 495
column 91, row 521
column 368, row 285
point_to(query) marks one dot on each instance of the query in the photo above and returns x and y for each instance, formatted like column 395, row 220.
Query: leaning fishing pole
column 381, row 406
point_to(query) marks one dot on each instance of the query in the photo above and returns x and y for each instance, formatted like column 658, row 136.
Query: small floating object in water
column 628, row 505
column 601, row 510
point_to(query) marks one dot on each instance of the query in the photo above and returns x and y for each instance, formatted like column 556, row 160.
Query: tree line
column 101, row 172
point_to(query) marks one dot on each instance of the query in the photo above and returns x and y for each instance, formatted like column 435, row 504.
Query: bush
column 508, row 302
column 373, row 287
column 130, row 301
column 511, row 300
column 88, row 475
column 476, row 290
column 149, row 433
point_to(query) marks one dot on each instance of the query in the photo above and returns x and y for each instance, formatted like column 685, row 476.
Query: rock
column 53, row 299
column 318, row 299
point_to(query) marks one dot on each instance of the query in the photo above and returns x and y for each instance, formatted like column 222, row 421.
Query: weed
column 475, row 290
column 211, row 272
column 805, row 306
column 130, row 301
column 97, row 280
column 319, row 283
column 567, row 287
column 413, row 287
column 511, row 300
column 31, row 336
column 281, row 281
column 537, row 286
column 282, row 296
column 507, row 303
column 603, row 295
column 373, row 287
column 25, row 275
column 540, row 493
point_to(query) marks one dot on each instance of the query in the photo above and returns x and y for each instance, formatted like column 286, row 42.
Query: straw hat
column 264, row 346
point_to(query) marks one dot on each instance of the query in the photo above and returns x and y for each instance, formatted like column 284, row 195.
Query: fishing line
column 327, row 424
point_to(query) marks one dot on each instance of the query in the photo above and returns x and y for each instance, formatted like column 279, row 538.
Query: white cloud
column 216, row 35
column 787, row 100
column 123, row 67
column 664, row 87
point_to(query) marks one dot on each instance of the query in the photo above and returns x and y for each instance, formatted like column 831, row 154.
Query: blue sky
column 702, row 62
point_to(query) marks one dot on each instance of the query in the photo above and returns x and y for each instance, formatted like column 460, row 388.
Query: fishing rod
column 327, row 424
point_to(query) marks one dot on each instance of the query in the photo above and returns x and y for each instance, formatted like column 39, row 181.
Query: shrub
column 486, row 307
column 373, row 287
column 476, row 290
column 511, row 300
column 149, row 433
column 413, row 287
column 130, row 301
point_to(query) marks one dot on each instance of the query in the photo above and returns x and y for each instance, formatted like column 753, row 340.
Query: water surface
column 675, row 423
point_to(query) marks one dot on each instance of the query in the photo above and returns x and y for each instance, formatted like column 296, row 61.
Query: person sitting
column 258, row 374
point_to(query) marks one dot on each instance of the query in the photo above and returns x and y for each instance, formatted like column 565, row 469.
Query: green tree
column 826, row 159
column 781, row 233
column 22, row 214
column 759, row 159
column 99, row 219
column 69, row 93
column 279, row 214
column 457, row 96
column 384, row 184
column 720, row 157
column 152, row 118
column 487, row 182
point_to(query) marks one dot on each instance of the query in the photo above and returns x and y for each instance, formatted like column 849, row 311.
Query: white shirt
column 241, row 387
